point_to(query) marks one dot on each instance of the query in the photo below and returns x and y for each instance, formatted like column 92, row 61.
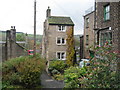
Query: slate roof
column 58, row 20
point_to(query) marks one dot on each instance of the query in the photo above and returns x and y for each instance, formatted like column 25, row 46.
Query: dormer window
column 61, row 28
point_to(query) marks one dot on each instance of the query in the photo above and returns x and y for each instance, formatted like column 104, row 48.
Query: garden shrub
column 23, row 71
column 56, row 69
column 72, row 75
column 58, row 65
column 59, row 77
column 102, row 72
column 55, row 72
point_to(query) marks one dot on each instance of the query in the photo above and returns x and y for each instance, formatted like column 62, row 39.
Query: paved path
column 48, row 82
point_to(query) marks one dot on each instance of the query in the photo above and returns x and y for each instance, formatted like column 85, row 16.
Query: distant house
column 54, row 36
column 107, row 24
column 88, row 34
column 10, row 48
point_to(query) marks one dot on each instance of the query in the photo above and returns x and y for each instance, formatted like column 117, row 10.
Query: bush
column 59, row 77
column 72, row 75
column 24, row 71
column 58, row 65
column 56, row 69
column 103, row 70
column 55, row 72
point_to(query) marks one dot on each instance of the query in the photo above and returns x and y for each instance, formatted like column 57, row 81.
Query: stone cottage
column 10, row 48
column 54, row 36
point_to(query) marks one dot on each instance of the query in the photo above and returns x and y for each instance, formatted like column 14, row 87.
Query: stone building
column 54, row 36
column 10, row 48
column 107, row 24
column 88, row 34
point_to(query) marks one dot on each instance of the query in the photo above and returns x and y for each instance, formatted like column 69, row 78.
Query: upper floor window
column 87, row 22
column 87, row 39
column 61, row 55
column 60, row 41
column 107, row 12
column 61, row 28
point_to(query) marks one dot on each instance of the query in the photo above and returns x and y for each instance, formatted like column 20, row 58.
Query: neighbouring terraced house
column 107, row 24
column 88, row 32
column 54, row 36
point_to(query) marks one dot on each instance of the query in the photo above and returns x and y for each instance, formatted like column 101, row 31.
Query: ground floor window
column 61, row 55
column 106, row 38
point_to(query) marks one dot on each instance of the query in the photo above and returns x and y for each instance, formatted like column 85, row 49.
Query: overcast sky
column 20, row 13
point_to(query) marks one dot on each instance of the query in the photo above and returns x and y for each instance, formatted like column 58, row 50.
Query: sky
column 20, row 13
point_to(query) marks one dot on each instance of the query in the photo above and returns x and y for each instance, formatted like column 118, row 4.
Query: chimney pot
column 48, row 12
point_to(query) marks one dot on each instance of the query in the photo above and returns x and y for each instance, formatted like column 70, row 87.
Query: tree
column 20, row 37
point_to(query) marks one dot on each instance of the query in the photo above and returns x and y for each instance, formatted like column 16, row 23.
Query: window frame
column 61, row 38
column 87, row 22
column 87, row 39
column 60, row 28
column 60, row 52
column 107, row 12
column 106, row 37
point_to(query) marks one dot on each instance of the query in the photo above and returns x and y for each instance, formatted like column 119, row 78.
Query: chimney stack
column 13, row 33
column 48, row 12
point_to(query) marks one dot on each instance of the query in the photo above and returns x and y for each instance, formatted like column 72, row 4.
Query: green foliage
column 57, row 68
column 103, row 70
column 54, row 71
column 23, row 71
column 20, row 37
column 58, row 65
column 72, row 75
column 59, row 77
column 70, row 48
column 9, row 65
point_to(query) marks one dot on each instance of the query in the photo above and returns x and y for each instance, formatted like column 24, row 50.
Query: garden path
column 48, row 82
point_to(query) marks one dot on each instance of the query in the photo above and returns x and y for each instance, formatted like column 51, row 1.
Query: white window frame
column 61, row 55
column 61, row 41
column 62, row 27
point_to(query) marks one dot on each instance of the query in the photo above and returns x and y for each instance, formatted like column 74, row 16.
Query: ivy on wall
column 70, row 47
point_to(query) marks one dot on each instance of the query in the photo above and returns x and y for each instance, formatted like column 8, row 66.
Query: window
column 87, row 22
column 61, row 28
column 107, row 12
column 60, row 41
column 61, row 55
column 106, row 38
column 87, row 39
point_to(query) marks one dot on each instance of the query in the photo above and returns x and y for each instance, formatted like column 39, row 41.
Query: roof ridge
column 60, row 20
column 59, row 16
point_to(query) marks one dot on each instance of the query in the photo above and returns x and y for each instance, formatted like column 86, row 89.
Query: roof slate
column 58, row 20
